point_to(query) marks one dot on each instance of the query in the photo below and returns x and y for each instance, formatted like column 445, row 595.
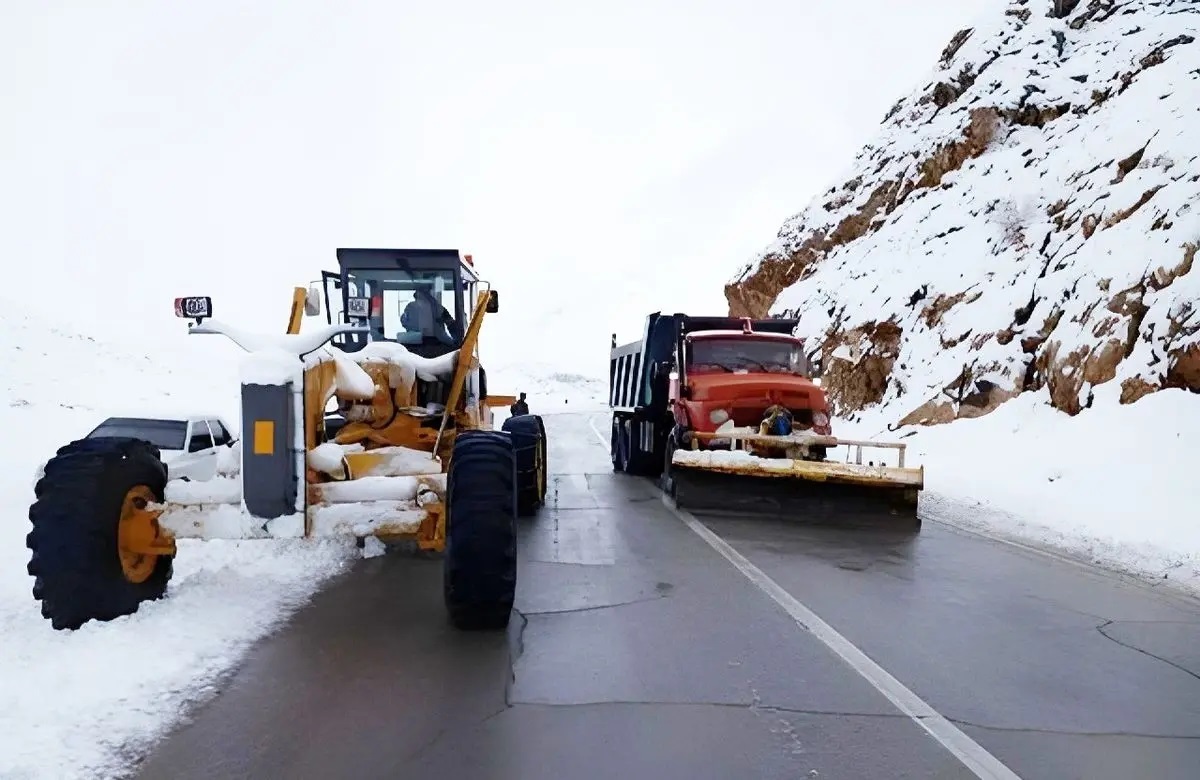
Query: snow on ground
column 1114, row 486
column 549, row 390
column 76, row 704
column 82, row 704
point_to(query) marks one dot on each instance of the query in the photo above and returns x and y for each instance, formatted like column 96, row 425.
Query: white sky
column 599, row 161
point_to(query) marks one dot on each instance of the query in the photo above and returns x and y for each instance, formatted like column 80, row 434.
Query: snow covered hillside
column 1024, row 226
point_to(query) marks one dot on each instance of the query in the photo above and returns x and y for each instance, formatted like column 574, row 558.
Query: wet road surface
column 640, row 651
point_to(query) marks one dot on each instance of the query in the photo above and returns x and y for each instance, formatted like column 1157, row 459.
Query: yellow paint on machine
column 264, row 437
column 815, row 471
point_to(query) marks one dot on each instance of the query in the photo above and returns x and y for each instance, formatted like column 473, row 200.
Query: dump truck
column 412, row 459
column 728, row 413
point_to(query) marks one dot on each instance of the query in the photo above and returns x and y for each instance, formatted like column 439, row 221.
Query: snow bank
column 80, row 704
column 1114, row 485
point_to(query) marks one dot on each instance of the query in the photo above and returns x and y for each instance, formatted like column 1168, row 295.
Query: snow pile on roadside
column 1113, row 486
column 1018, row 246
column 78, row 704
column 83, row 704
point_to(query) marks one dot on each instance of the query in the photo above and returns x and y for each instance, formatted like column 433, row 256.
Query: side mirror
column 818, row 368
column 493, row 304
column 312, row 301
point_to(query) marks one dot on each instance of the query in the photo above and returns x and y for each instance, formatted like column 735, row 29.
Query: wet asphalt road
column 641, row 652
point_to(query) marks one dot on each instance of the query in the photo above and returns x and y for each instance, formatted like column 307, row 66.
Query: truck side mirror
column 493, row 303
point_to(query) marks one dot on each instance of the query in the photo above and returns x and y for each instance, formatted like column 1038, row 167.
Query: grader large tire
column 92, row 491
column 529, row 441
column 480, row 565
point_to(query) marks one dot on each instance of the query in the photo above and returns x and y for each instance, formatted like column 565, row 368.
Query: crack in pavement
column 1100, row 628
column 748, row 706
column 596, row 607
column 564, row 563
column 782, row 710
column 1068, row 732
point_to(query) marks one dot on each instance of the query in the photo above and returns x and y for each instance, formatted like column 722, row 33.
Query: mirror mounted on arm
column 312, row 300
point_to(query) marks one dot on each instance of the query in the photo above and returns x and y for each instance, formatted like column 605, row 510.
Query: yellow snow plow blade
column 734, row 478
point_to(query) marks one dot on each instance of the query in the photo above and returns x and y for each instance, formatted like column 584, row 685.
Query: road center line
column 981, row 763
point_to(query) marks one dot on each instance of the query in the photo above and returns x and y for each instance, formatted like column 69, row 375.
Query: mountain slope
column 1027, row 221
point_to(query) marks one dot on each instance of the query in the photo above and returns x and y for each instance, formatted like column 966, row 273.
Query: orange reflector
column 264, row 437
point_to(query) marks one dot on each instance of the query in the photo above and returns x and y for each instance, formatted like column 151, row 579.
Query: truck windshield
column 410, row 306
column 746, row 353
column 164, row 434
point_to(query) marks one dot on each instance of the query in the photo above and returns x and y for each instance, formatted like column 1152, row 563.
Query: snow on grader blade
column 746, row 478
column 416, row 460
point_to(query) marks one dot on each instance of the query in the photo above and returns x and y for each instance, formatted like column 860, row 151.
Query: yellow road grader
column 377, row 425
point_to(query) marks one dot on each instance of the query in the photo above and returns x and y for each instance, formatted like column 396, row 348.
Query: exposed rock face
column 1028, row 220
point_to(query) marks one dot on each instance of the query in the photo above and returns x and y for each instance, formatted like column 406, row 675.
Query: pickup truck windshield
column 747, row 354
column 164, row 434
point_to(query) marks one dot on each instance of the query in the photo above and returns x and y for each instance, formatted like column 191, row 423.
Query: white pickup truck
column 188, row 445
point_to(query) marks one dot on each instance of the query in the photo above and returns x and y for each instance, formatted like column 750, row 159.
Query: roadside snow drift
column 1024, row 226
column 82, row 704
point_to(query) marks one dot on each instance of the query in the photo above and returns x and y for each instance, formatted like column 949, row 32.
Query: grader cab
column 413, row 456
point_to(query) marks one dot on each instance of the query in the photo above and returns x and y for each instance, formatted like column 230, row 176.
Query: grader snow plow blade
column 824, row 491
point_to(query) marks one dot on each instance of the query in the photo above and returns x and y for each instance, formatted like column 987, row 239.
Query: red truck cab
column 738, row 375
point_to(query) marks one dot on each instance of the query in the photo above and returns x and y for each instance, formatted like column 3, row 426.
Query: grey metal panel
column 269, row 481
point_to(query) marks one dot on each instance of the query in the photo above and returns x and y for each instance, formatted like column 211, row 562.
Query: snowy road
column 642, row 652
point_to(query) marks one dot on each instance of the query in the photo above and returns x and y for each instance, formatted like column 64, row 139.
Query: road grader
column 378, row 424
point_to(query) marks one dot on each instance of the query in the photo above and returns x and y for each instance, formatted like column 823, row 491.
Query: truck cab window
column 743, row 353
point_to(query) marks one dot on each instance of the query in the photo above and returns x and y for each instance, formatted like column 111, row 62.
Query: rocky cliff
column 1026, row 221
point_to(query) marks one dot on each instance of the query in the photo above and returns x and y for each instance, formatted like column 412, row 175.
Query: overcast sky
column 600, row 161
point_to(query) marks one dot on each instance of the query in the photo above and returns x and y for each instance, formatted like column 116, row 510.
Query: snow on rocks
column 1026, row 220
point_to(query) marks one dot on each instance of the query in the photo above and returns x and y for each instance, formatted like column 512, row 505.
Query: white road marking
column 604, row 442
column 981, row 763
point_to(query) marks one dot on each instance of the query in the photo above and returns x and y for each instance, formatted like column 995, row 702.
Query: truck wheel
column 545, row 473
column 479, row 574
column 620, row 454
column 95, row 492
column 529, row 442
column 667, row 479
column 640, row 462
